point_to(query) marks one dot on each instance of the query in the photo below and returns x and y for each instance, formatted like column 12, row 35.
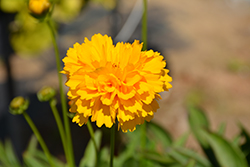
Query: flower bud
column 39, row 7
column 18, row 105
column 46, row 94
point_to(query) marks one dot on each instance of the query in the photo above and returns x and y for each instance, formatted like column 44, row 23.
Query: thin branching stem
column 59, row 123
column 63, row 99
column 144, row 40
column 112, row 145
column 39, row 138
column 92, row 135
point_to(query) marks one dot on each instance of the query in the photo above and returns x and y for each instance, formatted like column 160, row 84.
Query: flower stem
column 92, row 135
column 63, row 99
column 112, row 145
column 39, row 138
column 144, row 40
column 144, row 25
column 52, row 103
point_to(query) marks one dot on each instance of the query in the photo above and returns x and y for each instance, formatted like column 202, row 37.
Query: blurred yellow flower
column 108, row 82
column 39, row 7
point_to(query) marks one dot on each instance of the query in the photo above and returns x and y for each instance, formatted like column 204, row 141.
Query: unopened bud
column 18, row 105
column 46, row 93
column 39, row 7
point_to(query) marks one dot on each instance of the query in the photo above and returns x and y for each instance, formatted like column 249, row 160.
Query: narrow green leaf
column 191, row 163
column 157, row 157
column 181, row 141
column 89, row 157
column 3, row 158
column 31, row 161
column 11, row 154
column 105, row 157
column 222, row 129
column 159, row 134
column 133, row 143
column 198, row 120
column 227, row 154
column 42, row 157
column 193, row 155
column 236, row 140
column 181, row 159
column 245, row 147
column 34, row 157
column 32, row 147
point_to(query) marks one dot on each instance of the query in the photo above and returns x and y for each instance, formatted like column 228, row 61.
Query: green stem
column 144, row 25
column 144, row 40
column 92, row 135
column 112, row 145
column 39, row 138
column 63, row 99
column 52, row 103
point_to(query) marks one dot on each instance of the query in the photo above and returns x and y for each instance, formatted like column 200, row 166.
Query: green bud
column 18, row 105
column 46, row 94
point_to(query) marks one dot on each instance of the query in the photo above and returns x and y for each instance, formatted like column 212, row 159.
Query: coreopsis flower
column 108, row 82
column 39, row 7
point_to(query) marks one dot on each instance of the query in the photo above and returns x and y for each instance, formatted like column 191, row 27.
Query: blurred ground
column 206, row 45
column 213, row 68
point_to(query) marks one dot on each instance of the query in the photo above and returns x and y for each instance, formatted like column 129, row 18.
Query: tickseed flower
column 108, row 82
column 39, row 7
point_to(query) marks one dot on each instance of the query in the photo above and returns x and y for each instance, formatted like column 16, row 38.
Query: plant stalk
column 144, row 40
column 63, row 99
column 39, row 138
column 59, row 123
column 92, row 135
column 112, row 145
column 144, row 25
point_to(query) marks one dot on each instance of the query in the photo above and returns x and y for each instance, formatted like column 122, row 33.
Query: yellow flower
column 39, row 7
column 108, row 82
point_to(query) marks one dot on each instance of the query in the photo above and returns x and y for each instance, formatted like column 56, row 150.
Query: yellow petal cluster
column 108, row 82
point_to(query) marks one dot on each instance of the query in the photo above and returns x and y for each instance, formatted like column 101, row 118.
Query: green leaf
column 189, row 154
column 11, row 154
column 182, row 140
column 222, row 129
column 177, row 157
column 159, row 134
column 133, row 143
column 130, row 162
column 197, row 121
column 245, row 147
column 191, row 163
column 3, row 157
column 227, row 154
column 236, row 140
column 89, row 157
column 31, row 161
column 157, row 157
column 32, row 147
column 105, row 156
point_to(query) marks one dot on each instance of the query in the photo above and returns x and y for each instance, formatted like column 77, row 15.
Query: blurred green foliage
column 29, row 35
column 238, row 66
column 161, row 150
